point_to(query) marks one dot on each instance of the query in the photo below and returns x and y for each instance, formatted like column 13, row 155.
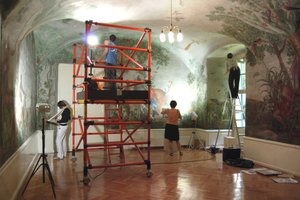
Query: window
column 241, row 101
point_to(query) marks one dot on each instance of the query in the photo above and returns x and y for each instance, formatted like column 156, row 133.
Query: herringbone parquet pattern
column 196, row 175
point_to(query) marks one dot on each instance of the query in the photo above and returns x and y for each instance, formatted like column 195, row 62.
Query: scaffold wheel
column 73, row 155
column 149, row 173
column 74, row 158
column 86, row 180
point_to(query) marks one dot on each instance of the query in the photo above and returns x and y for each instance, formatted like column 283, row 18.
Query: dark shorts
column 172, row 132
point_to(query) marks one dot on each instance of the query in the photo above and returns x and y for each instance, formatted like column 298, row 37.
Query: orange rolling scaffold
column 117, row 132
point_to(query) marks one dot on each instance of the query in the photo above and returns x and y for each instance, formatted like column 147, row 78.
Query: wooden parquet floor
column 196, row 175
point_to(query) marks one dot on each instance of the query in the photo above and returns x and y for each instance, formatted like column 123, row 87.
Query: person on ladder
column 234, row 75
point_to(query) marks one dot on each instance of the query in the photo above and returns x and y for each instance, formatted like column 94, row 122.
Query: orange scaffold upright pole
column 112, row 119
column 73, row 100
column 149, row 98
column 85, row 150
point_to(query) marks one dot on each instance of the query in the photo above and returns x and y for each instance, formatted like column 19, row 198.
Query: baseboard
column 272, row 154
column 18, row 167
column 274, row 167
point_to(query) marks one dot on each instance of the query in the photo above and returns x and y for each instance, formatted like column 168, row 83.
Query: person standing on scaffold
column 110, row 55
column 234, row 75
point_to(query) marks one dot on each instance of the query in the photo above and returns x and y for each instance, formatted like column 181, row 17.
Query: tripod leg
column 201, row 143
column 44, row 164
column 193, row 140
column 50, row 176
column 49, row 172
column 190, row 142
column 35, row 169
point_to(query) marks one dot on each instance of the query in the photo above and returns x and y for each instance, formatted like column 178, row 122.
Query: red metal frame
column 81, row 124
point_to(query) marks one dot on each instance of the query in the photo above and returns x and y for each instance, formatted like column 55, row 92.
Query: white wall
column 276, row 155
column 65, row 91
column 156, row 138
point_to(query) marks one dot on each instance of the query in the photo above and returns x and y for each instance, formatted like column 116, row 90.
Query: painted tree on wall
column 49, row 39
column 198, row 106
column 270, row 28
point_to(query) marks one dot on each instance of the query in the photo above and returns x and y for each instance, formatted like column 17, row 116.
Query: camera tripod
column 44, row 163
column 194, row 137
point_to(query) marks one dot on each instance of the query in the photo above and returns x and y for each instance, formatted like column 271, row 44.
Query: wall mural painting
column 19, row 87
column 217, row 93
column 198, row 82
column 270, row 30
column 47, row 64
column 171, row 79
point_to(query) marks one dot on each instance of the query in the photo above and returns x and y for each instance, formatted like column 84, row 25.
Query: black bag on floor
column 239, row 162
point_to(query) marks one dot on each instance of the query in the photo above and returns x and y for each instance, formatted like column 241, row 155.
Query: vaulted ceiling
column 64, row 20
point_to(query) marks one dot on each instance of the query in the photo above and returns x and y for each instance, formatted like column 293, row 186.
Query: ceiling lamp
column 170, row 31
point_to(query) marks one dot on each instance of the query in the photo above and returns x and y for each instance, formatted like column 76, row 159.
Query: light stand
column 194, row 135
column 44, row 163
column 192, row 139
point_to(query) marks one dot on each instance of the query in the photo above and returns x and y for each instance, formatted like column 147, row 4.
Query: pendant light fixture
column 169, row 32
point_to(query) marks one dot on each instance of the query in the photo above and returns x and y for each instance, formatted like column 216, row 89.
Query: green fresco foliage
column 269, row 29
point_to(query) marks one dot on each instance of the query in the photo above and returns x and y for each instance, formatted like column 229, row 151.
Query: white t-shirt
column 231, row 63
